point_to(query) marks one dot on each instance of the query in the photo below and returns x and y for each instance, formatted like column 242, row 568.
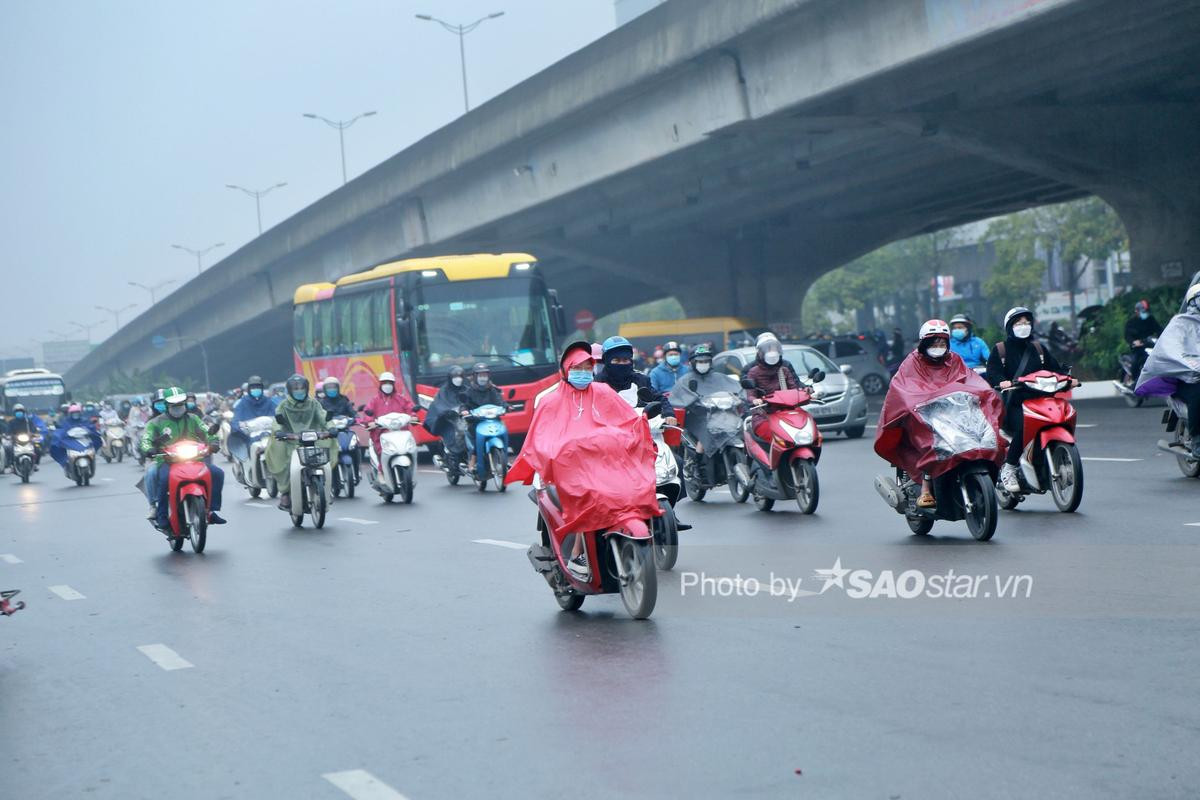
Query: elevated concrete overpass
column 730, row 153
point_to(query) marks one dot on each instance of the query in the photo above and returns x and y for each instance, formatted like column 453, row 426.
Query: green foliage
column 1104, row 341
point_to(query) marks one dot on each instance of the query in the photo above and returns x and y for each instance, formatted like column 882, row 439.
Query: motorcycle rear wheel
column 255, row 491
column 1068, row 490
column 272, row 488
column 666, row 537
column 981, row 521
column 176, row 542
column 691, row 475
column 1006, row 500
column 1190, row 467
column 197, row 522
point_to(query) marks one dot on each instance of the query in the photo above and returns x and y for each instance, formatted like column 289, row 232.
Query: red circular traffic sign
column 584, row 320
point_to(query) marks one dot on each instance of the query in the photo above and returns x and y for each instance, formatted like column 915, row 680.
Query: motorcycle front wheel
column 639, row 581
column 272, row 488
column 1067, row 488
column 808, row 489
column 197, row 522
column 499, row 465
column 982, row 517
column 691, row 475
column 316, row 496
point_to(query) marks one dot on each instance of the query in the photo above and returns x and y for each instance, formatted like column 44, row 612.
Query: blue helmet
column 613, row 342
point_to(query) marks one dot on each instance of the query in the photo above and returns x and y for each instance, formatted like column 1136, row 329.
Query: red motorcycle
column 621, row 559
column 1051, row 460
column 785, row 466
column 189, row 489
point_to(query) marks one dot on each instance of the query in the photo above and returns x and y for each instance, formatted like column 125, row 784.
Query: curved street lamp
column 341, row 126
column 461, row 32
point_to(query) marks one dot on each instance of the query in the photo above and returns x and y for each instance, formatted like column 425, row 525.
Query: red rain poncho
column 595, row 449
column 905, row 438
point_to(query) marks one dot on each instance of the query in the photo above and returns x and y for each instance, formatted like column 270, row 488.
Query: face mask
column 703, row 367
column 482, row 380
column 176, row 412
column 256, row 393
column 331, row 392
column 772, row 358
column 621, row 373
column 673, row 360
column 935, row 352
column 387, row 388
column 579, row 378
column 1144, row 314
column 456, row 381
column 1022, row 331
column 299, row 397
column 19, row 415
column 191, row 406
column 959, row 333
column 75, row 417
column 161, row 408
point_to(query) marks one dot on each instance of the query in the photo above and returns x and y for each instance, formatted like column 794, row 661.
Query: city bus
column 723, row 333
column 419, row 317
column 39, row 390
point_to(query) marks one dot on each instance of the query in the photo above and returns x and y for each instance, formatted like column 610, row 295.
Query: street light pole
column 461, row 32
column 116, row 312
column 87, row 329
column 258, row 196
column 341, row 126
column 153, row 290
column 179, row 340
column 199, row 254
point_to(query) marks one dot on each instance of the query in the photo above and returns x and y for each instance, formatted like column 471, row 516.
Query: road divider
column 66, row 592
column 164, row 657
column 362, row 785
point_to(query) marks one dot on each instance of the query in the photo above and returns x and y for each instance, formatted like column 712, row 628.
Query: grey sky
column 121, row 123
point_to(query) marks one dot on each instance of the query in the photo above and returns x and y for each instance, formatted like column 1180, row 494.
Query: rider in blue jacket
column 74, row 419
column 663, row 377
column 255, row 403
column 965, row 344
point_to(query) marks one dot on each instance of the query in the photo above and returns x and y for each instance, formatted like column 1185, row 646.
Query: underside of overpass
column 740, row 169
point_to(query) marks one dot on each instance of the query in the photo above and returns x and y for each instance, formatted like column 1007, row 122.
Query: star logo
column 833, row 576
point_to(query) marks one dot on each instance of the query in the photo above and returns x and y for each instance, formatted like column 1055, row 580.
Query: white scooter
column 310, row 476
column 223, row 434
column 114, row 444
column 394, row 469
column 667, row 487
column 24, row 454
column 250, row 466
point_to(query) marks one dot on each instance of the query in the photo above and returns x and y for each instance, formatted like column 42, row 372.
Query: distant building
column 62, row 355
column 16, row 362
column 626, row 10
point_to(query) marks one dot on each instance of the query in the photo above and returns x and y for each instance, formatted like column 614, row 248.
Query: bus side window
column 362, row 322
column 381, row 319
column 302, row 329
column 324, row 342
column 343, row 325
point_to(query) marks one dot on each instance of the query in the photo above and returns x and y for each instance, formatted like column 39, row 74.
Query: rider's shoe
column 681, row 526
column 579, row 566
column 1009, row 480
column 152, row 513
column 285, row 502
column 215, row 519
column 926, row 501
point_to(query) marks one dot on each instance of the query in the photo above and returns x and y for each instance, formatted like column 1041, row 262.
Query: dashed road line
column 502, row 543
column 9, row 558
column 164, row 657
column 66, row 592
column 358, row 521
column 362, row 785
column 1119, row 460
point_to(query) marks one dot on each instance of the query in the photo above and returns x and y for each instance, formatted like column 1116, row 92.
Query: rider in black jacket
column 1138, row 328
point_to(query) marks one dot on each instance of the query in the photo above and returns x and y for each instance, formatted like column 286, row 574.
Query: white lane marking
column 430, row 471
column 358, row 521
column 362, row 785
column 1122, row 460
column 502, row 543
column 256, row 504
column 110, row 480
column 1086, row 424
column 164, row 656
column 66, row 592
column 1192, row 524
column 9, row 558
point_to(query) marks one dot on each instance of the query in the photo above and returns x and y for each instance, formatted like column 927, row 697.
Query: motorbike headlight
column 23, row 438
column 1047, row 385
column 187, row 450
column 802, row 435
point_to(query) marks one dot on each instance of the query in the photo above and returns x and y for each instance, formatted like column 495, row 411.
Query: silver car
column 842, row 406
column 866, row 367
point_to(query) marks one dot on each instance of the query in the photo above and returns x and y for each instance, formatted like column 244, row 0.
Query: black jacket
column 339, row 406
column 1138, row 328
column 16, row 426
column 475, row 395
column 1005, row 368
column 638, row 379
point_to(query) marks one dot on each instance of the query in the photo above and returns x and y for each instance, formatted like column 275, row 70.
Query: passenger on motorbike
column 442, row 418
column 1173, row 367
column 664, row 376
column 164, row 430
column 137, row 417
column 75, row 418
column 388, row 401
column 965, row 344
column 1138, row 329
column 159, row 405
column 297, row 413
column 1019, row 354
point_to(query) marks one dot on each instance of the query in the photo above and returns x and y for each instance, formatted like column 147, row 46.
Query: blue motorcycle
column 346, row 475
column 490, row 446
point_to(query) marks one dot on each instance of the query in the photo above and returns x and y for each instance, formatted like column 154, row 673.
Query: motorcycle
column 1051, row 459
column 394, row 468
column 309, row 477
column 134, row 430
column 248, row 445
column 1175, row 418
column 965, row 491
column 345, row 477
column 81, row 455
column 453, row 459
column 707, row 470
column 622, row 559
column 24, row 458
column 668, row 488
column 113, row 442
column 224, row 427
column 189, row 493
column 490, row 447
column 788, row 469
column 1125, row 380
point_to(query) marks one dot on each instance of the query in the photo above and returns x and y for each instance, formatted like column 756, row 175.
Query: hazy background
column 121, row 123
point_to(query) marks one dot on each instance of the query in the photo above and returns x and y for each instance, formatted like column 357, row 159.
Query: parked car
column 842, row 406
column 861, row 356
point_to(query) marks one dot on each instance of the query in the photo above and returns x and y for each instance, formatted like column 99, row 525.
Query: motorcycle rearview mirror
column 645, row 394
column 693, row 385
column 747, row 383
column 362, row 408
column 653, row 410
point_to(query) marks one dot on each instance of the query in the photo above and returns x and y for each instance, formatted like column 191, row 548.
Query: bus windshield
column 40, row 395
column 504, row 323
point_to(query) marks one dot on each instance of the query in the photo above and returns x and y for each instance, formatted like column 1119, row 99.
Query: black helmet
column 160, row 394
column 701, row 351
column 962, row 318
column 669, row 346
column 253, row 380
column 480, row 367
column 297, row 383
column 456, row 371
column 479, row 371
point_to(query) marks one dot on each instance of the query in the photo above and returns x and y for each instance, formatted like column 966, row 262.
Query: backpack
column 1037, row 346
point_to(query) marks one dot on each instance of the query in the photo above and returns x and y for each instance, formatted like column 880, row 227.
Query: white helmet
column 387, row 377
column 934, row 327
column 1192, row 293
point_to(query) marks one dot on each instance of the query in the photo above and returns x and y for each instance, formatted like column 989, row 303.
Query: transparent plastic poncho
column 958, row 425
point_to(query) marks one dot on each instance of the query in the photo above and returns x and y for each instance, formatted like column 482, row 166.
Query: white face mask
column 935, row 352
column 703, row 367
column 482, row 380
column 1022, row 331
column 772, row 357
column 387, row 388
column 456, row 381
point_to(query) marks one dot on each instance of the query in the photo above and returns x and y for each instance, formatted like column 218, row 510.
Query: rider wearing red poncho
column 928, row 373
column 594, row 448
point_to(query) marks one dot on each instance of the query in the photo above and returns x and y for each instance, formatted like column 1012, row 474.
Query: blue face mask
column 959, row 333
column 256, row 393
column 191, row 406
column 673, row 359
column 19, row 415
column 580, row 378
column 331, row 392
column 161, row 408
column 299, row 397
column 1144, row 314
column 75, row 417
